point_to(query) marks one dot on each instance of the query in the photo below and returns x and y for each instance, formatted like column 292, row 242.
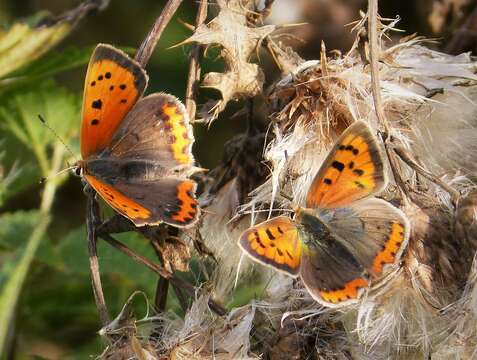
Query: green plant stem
column 12, row 289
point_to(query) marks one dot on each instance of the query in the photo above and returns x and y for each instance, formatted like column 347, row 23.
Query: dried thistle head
column 202, row 335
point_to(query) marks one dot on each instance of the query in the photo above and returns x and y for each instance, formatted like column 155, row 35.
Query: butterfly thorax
column 311, row 226
column 126, row 170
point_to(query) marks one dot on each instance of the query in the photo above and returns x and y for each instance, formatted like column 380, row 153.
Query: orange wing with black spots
column 187, row 208
column 157, row 128
column 113, row 84
column 118, row 201
column 353, row 170
column 274, row 243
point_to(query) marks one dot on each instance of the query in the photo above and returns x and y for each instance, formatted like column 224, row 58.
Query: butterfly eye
column 78, row 171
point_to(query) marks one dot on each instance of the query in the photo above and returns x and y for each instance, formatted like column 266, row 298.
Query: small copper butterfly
column 136, row 151
column 345, row 240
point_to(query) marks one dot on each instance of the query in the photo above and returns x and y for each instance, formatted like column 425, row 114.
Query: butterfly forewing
column 275, row 243
column 353, row 170
column 113, row 84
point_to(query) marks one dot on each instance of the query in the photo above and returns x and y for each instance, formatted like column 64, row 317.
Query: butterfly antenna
column 43, row 179
column 42, row 119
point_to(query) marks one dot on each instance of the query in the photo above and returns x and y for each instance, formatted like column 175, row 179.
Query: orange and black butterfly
column 136, row 151
column 345, row 240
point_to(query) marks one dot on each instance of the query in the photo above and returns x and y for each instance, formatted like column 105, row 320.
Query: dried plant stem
column 163, row 286
column 92, row 219
column 194, row 65
column 374, row 50
column 147, row 47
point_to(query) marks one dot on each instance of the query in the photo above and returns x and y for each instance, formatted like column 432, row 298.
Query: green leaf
column 47, row 66
column 74, row 253
column 16, row 227
column 19, row 112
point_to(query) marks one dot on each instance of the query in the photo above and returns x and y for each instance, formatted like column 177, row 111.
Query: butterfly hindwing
column 275, row 243
column 376, row 232
column 156, row 129
column 169, row 200
column 353, row 170
column 113, row 84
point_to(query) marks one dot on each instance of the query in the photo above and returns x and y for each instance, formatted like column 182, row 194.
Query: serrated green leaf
column 23, row 43
column 27, row 40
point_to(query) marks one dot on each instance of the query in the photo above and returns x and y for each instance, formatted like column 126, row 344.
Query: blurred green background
column 55, row 316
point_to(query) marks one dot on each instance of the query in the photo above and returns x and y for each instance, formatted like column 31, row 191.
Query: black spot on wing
column 269, row 234
column 338, row 165
column 97, row 104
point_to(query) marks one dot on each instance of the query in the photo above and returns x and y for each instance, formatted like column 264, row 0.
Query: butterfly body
column 136, row 150
column 344, row 241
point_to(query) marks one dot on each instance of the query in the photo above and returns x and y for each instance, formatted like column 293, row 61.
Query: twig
column 162, row 287
column 147, row 47
column 374, row 50
column 174, row 280
column 141, row 259
column 92, row 219
column 406, row 157
column 194, row 65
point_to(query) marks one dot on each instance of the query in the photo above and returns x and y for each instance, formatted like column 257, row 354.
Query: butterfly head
column 78, row 168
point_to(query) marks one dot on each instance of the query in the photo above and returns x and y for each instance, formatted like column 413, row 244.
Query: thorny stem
column 374, row 50
column 374, row 53
column 148, row 45
column 194, row 65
